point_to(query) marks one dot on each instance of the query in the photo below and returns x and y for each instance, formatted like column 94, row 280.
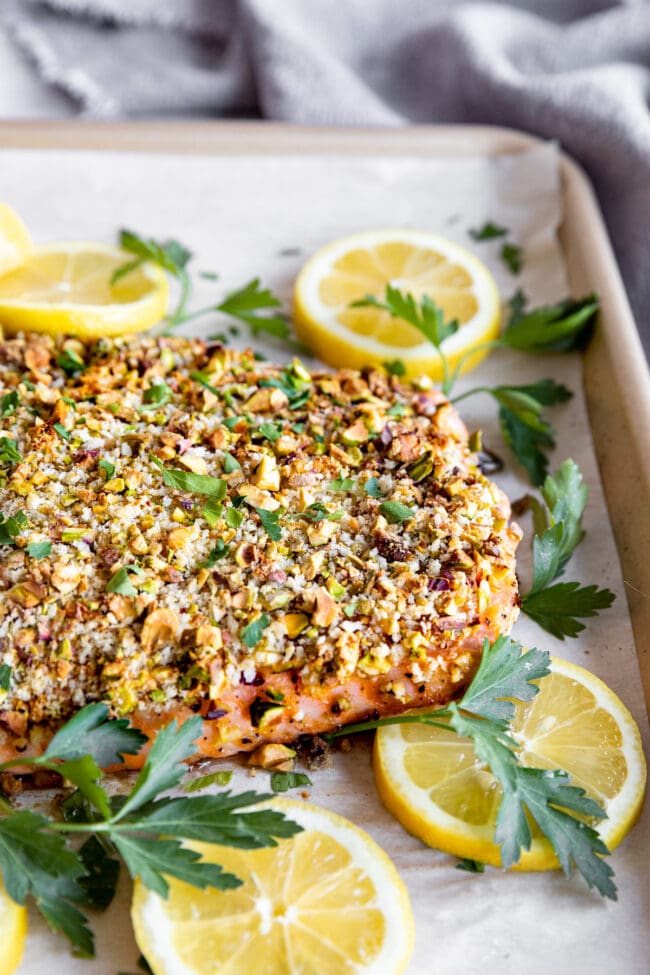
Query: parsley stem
column 470, row 392
column 493, row 344
column 421, row 717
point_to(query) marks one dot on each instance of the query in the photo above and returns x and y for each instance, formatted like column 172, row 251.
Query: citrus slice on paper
column 15, row 242
column 432, row 782
column 354, row 267
column 66, row 288
column 13, row 929
column 328, row 900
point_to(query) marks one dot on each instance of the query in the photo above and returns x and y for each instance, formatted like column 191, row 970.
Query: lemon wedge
column 15, row 242
column 329, row 901
column 412, row 261
column 66, row 289
column 431, row 780
column 13, row 929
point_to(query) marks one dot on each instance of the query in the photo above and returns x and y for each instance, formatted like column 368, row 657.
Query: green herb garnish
column 120, row 582
column 144, row 828
column 62, row 432
column 203, row 781
column 214, row 487
column 9, row 404
column 483, row 715
column 9, row 453
column 395, row 367
column 39, row 550
column 395, row 512
column 70, row 362
column 512, row 256
column 234, row 517
column 220, row 551
column 252, row 634
column 11, row 527
column 558, row 608
column 156, row 395
column 371, row 487
column 269, row 521
column 230, row 464
column 488, row 231
column 5, row 677
column 108, row 468
column 283, row 781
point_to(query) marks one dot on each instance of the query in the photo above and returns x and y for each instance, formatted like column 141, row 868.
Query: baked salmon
column 186, row 529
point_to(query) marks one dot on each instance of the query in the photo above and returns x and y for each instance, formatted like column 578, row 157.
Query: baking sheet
column 242, row 215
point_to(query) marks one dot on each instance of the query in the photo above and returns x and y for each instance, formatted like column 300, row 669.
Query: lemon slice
column 328, row 901
column 431, row 780
column 13, row 929
column 66, row 288
column 15, row 242
column 413, row 261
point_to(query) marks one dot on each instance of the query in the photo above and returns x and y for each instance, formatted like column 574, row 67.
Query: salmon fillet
column 189, row 530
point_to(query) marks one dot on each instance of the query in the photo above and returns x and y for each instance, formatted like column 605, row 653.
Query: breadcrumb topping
column 183, row 517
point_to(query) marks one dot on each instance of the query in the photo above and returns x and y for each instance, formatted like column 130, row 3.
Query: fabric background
column 573, row 70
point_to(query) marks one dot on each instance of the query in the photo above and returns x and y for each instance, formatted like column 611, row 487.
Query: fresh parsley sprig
column 507, row 674
column 554, row 328
column 253, row 304
column 558, row 607
column 145, row 828
column 524, row 429
column 425, row 315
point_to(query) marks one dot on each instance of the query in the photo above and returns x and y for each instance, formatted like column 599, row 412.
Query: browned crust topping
column 301, row 565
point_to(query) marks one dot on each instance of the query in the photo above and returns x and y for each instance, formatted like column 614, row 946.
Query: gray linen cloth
column 573, row 70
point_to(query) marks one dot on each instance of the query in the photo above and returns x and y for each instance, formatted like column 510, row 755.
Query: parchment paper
column 248, row 216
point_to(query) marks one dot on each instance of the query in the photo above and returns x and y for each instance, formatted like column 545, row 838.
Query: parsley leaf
column 395, row 367
column 108, row 468
column 482, row 716
column 249, row 302
column 471, row 866
column 272, row 431
column 234, row 517
column 424, row 315
column 488, row 231
column 215, row 487
column 512, row 256
column 9, row 453
column 212, row 512
column 524, row 429
column 269, row 520
column 562, row 327
column 91, row 732
column 372, row 489
column 252, row 634
column 202, row 380
column 151, row 859
column 11, row 527
column 213, row 778
column 341, row 483
column 119, row 582
column 70, row 362
column 5, row 677
column 147, row 830
column 230, row 463
column 558, row 608
column 157, row 395
column 283, row 781
column 62, row 432
column 172, row 256
column 395, row 512
column 220, row 551
column 9, row 404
